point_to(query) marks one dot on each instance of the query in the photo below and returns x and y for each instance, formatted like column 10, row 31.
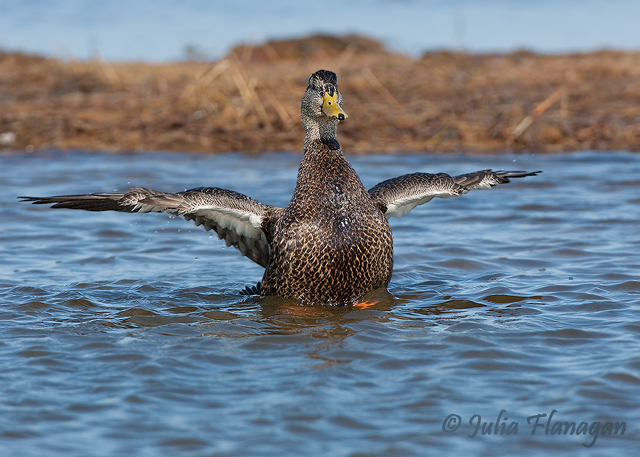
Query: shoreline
column 249, row 101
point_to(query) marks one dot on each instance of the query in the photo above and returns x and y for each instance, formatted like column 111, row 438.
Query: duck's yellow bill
column 331, row 108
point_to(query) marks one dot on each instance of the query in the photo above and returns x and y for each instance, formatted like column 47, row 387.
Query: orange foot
column 365, row 304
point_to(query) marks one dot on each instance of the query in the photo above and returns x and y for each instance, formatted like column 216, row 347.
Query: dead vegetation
column 249, row 100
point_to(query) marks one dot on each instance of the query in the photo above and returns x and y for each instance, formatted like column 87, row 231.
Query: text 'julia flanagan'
column 537, row 424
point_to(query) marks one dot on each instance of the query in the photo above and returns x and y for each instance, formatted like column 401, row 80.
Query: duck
column 332, row 243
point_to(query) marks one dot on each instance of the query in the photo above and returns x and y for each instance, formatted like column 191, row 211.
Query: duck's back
column 332, row 243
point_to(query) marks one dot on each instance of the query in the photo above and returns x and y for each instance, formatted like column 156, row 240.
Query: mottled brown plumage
column 332, row 242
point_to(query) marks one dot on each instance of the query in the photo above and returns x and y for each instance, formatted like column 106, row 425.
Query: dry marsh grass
column 250, row 99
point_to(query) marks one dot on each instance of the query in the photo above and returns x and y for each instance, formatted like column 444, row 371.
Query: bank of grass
column 250, row 99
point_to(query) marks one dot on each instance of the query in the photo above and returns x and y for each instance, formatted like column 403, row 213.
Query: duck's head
column 322, row 104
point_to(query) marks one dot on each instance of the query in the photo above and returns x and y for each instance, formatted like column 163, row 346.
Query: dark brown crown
column 323, row 81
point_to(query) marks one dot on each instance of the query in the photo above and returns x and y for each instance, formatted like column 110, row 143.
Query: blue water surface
column 126, row 334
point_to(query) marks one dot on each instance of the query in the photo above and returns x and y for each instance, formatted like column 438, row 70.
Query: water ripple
column 127, row 333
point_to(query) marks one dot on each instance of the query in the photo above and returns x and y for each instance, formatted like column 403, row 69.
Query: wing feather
column 236, row 218
column 398, row 196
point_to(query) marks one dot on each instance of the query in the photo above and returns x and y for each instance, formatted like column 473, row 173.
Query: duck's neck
column 320, row 132
column 321, row 144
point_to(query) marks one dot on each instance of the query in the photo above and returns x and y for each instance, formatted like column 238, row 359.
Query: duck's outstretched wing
column 398, row 196
column 240, row 220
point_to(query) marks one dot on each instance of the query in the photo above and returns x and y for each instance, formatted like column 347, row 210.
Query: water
column 125, row 334
column 163, row 29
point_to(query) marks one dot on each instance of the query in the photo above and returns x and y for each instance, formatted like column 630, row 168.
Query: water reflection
column 132, row 306
column 130, row 335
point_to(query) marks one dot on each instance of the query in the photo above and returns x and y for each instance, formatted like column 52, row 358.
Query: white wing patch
column 398, row 196
column 401, row 207
column 236, row 218
column 237, row 228
column 245, row 224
